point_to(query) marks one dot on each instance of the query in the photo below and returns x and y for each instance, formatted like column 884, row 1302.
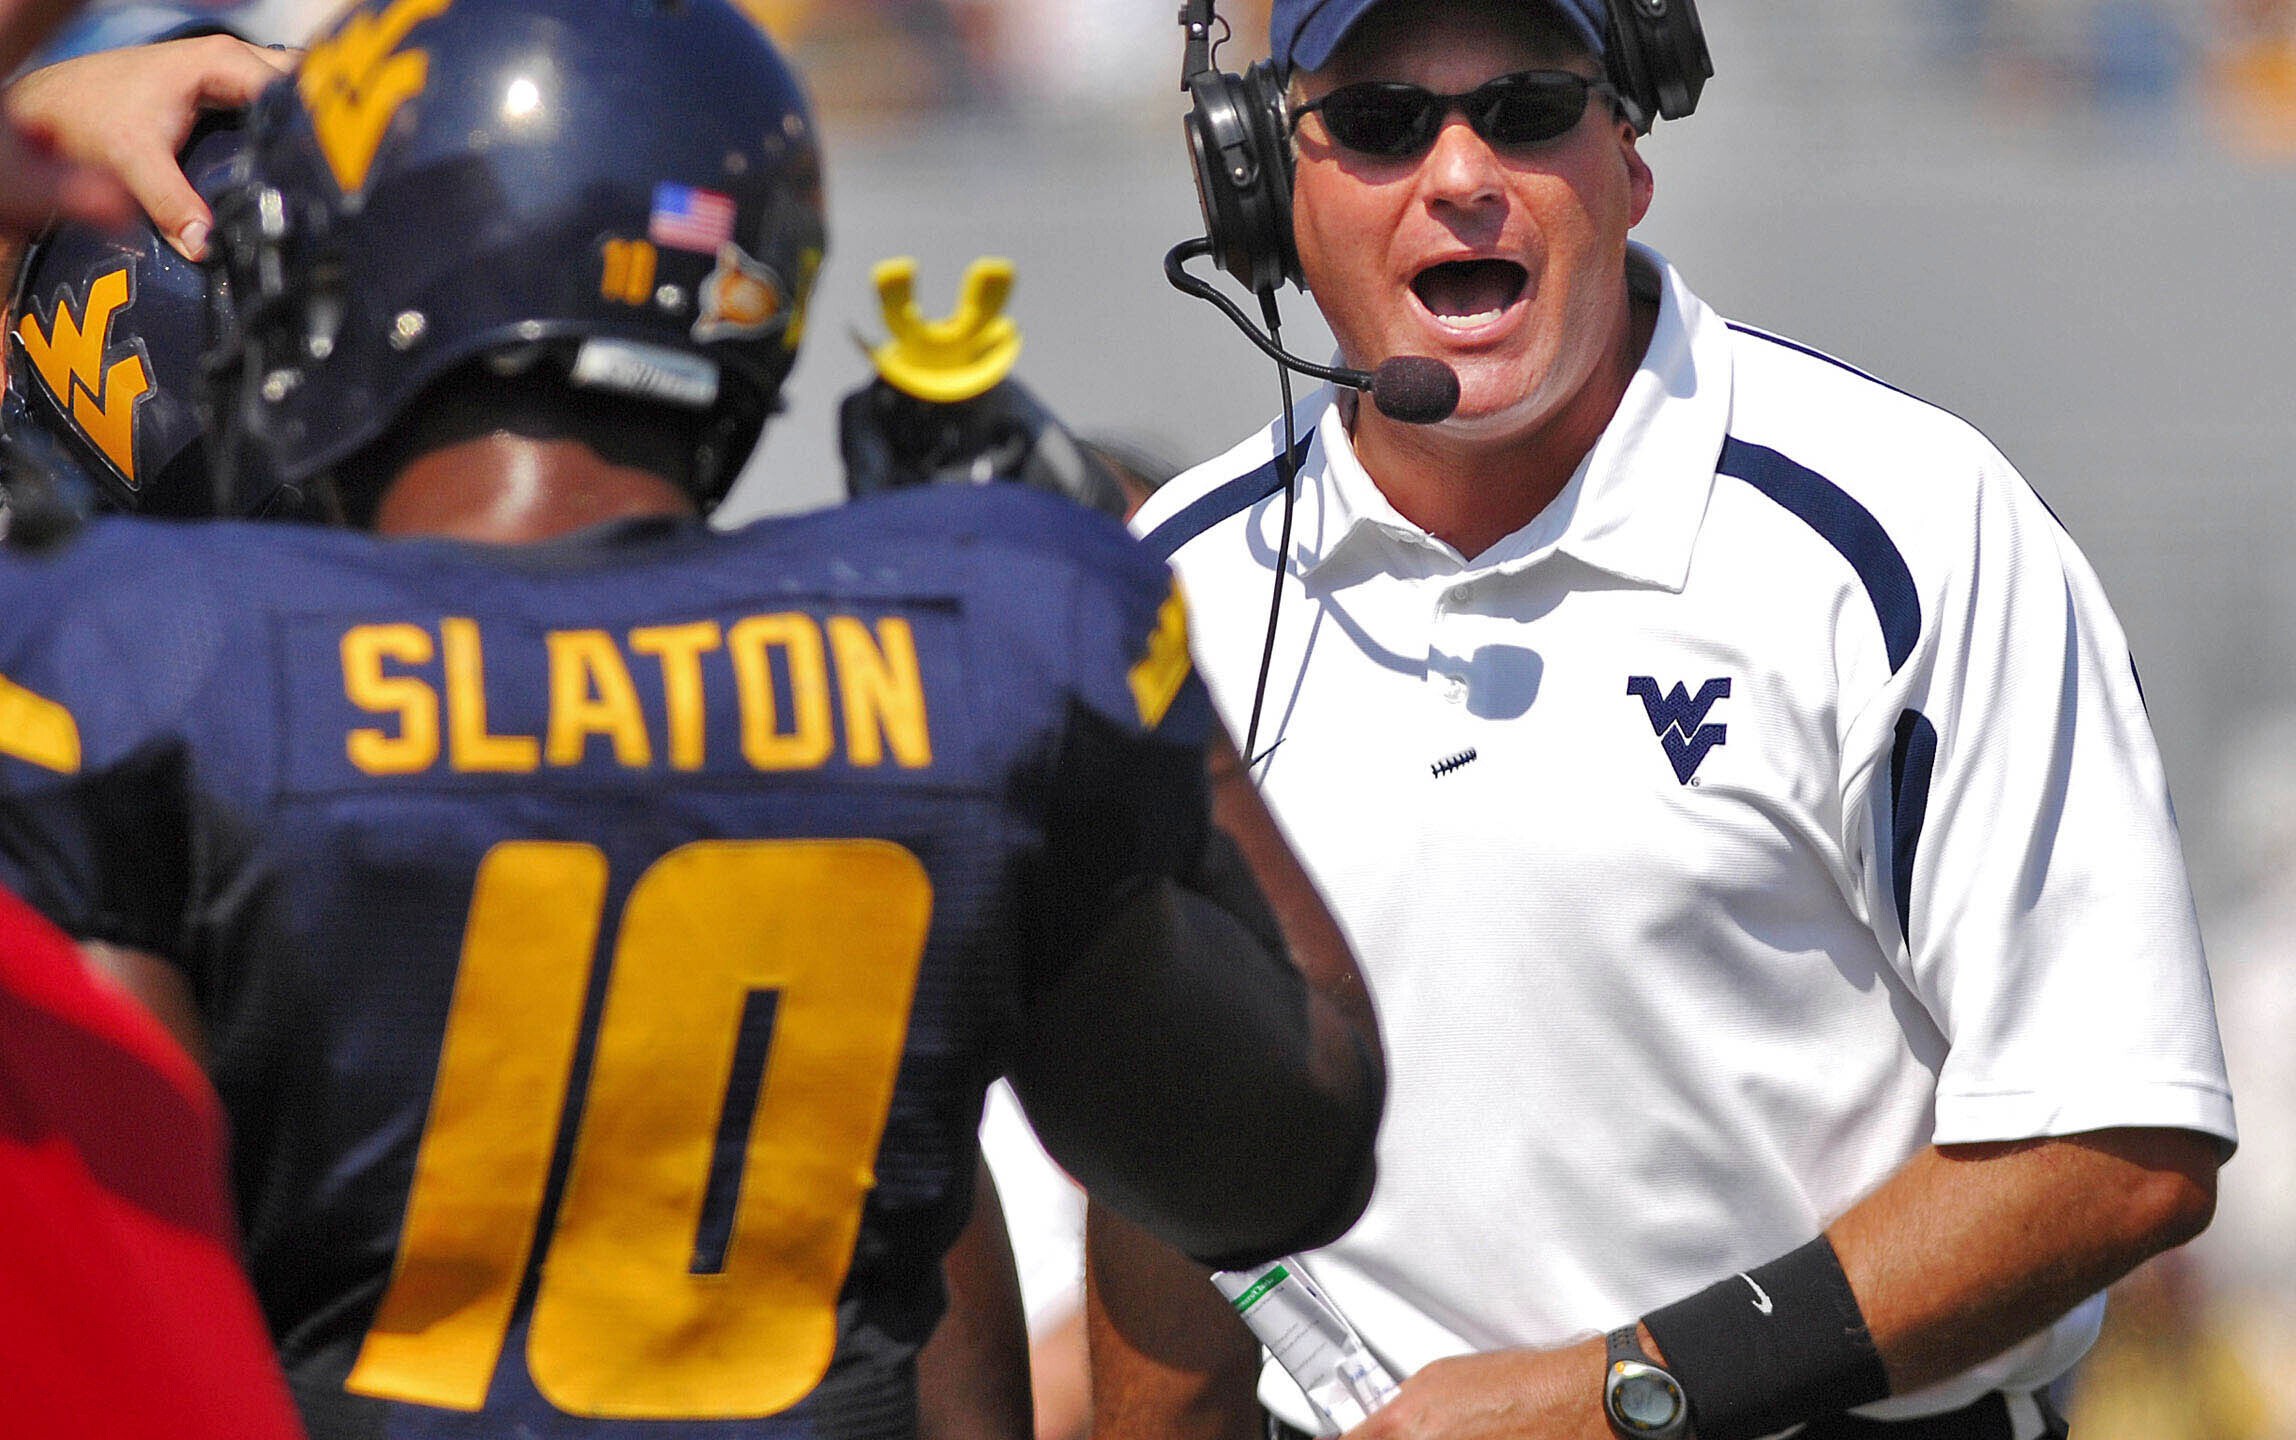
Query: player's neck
column 505, row 489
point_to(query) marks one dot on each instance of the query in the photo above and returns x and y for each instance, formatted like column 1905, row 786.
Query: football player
column 603, row 930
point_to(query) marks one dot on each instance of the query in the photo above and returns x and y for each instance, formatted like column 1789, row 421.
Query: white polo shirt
column 1778, row 802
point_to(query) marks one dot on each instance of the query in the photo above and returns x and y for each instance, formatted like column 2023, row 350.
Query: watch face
column 1644, row 1400
column 1648, row 1401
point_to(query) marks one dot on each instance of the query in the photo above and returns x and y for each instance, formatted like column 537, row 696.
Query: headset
column 1239, row 137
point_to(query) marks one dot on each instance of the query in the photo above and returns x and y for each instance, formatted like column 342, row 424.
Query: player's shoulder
column 111, row 635
column 1047, row 587
column 113, row 571
column 165, row 593
column 985, row 539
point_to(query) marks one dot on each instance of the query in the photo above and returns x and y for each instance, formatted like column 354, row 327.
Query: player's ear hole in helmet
column 621, row 202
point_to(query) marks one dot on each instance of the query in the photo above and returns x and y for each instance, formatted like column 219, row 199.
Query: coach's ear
column 1642, row 185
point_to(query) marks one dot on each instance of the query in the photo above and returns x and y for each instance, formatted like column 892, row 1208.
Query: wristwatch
column 1641, row 1400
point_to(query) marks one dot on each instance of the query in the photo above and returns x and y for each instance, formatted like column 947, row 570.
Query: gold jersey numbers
column 755, row 1015
column 355, row 81
column 68, row 356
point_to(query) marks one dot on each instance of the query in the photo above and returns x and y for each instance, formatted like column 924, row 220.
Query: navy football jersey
column 603, row 945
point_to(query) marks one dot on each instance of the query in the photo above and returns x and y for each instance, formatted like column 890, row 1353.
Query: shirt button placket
column 1446, row 605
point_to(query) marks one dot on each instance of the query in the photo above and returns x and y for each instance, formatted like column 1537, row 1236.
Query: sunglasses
column 1396, row 121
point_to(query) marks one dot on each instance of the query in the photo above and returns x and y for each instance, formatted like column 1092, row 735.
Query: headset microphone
column 1412, row 389
column 1415, row 389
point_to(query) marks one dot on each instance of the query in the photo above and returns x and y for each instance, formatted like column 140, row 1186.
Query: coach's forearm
column 1970, row 1248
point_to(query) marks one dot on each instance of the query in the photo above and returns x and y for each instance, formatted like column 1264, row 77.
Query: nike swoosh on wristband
column 1762, row 1301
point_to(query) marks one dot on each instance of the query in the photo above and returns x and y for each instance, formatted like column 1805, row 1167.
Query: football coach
column 1738, row 790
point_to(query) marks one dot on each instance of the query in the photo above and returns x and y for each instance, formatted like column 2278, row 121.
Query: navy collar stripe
column 1844, row 524
column 1238, row 495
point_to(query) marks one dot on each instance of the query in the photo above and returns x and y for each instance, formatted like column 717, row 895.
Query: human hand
column 129, row 111
column 35, row 187
column 891, row 439
column 1499, row 1395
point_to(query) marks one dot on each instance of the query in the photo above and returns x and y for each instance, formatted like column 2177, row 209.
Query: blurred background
column 2068, row 221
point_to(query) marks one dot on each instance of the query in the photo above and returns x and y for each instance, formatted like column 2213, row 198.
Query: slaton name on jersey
column 775, row 692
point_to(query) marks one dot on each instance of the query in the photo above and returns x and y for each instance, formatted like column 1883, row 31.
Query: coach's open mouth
column 1467, row 293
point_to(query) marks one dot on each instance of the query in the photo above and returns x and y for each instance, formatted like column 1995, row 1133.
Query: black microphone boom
column 1411, row 389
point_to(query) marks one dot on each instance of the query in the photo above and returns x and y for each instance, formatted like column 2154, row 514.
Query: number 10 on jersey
column 694, row 1265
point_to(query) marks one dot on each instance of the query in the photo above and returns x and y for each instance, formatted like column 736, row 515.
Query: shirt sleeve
column 2025, row 870
column 94, row 824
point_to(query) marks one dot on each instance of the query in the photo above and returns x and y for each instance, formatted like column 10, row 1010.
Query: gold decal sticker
column 355, row 81
column 69, row 359
column 628, row 274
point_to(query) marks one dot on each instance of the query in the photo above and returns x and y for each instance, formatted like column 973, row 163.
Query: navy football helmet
column 104, row 337
column 627, row 196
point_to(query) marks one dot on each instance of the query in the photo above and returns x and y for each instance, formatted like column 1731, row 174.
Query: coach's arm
column 1962, row 1253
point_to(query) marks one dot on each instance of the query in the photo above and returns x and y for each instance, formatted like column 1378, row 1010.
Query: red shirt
column 123, row 1309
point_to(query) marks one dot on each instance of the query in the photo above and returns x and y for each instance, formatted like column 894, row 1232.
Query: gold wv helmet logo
column 69, row 359
column 354, row 82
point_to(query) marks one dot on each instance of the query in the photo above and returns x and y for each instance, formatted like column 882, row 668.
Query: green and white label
column 1276, row 1275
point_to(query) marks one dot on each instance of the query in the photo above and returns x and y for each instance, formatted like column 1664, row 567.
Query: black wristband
column 1771, row 1347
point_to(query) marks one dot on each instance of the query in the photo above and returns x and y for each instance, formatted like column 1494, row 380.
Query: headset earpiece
column 1657, row 57
column 1240, row 148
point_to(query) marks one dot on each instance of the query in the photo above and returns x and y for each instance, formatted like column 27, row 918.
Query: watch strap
column 1625, row 1343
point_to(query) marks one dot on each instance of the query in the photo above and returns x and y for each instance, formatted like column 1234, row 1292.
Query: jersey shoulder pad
column 108, row 639
column 1074, row 585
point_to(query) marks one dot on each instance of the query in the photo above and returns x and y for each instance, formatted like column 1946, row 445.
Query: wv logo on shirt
column 1678, row 720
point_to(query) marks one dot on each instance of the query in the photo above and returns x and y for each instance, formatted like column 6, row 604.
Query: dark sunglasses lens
column 1388, row 120
column 1526, row 109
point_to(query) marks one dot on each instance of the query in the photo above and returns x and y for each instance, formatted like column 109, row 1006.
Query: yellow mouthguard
column 946, row 362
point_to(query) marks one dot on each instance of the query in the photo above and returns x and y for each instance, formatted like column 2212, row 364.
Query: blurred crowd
column 2201, row 1344
column 888, row 60
column 2235, row 58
